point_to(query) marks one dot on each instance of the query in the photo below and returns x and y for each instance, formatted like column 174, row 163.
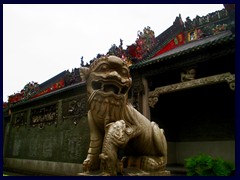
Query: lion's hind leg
column 159, row 141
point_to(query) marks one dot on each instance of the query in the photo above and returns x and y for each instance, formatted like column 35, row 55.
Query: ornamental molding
column 225, row 77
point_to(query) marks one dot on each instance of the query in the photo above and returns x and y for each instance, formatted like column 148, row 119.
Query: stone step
column 177, row 170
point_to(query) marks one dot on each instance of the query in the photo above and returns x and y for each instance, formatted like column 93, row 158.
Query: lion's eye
column 124, row 72
column 103, row 67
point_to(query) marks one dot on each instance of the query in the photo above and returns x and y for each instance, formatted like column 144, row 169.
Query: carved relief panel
column 35, row 146
column 16, row 146
column 75, row 108
column 74, row 141
column 72, row 145
column 66, row 142
column 44, row 115
column 19, row 119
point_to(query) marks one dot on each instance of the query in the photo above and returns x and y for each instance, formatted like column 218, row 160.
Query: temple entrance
column 198, row 120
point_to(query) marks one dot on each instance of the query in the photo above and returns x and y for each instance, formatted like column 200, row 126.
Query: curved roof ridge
column 186, row 47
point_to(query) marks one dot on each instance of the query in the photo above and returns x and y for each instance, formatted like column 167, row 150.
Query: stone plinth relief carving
column 225, row 77
column 115, row 124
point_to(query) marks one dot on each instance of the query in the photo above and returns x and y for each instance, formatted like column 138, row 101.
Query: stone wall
column 39, row 167
column 65, row 142
column 49, row 131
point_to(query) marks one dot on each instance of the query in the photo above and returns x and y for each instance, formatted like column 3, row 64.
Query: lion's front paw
column 90, row 163
column 86, row 165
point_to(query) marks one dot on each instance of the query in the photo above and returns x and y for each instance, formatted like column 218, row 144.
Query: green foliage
column 205, row 165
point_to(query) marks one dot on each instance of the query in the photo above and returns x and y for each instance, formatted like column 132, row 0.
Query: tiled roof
column 188, row 48
column 51, row 81
column 165, row 37
column 20, row 103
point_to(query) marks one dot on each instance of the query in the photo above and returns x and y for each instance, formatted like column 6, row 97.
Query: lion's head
column 108, row 76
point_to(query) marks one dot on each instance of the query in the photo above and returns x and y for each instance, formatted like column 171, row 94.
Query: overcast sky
column 41, row 41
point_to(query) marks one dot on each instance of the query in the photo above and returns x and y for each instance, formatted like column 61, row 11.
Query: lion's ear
column 84, row 73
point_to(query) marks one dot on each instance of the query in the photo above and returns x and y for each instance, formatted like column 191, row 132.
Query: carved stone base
column 129, row 172
column 92, row 173
column 138, row 172
column 136, row 166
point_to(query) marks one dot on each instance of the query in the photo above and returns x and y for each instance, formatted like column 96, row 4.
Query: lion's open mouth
column 109, row 87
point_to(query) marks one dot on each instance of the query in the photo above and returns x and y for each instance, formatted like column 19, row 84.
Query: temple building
column 183, row 79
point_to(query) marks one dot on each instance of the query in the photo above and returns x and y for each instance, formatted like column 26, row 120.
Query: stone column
column 145, row 105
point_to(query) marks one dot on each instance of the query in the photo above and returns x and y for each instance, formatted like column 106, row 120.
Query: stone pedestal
column 136, row 166
column 130, row 172
column 139, row 172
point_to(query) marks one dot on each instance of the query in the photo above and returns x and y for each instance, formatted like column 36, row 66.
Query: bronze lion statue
column 115, row 124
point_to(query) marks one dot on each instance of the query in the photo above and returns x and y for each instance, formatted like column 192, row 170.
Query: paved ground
column 175, row 171
column 6, row 173
column 17, row 173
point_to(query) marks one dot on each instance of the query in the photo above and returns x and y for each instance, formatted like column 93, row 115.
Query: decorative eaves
column 188, row 48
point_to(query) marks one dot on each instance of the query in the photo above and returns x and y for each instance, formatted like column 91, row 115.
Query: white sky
column 40, row 41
